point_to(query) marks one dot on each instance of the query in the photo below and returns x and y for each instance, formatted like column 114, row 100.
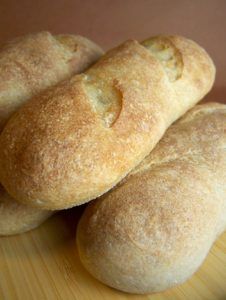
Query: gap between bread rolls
column 28, row 65
column 77, row 140
column 17, row 218
column 156, row 227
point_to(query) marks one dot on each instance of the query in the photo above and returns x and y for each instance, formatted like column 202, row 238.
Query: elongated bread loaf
column 28, row 65
column 156, row 227
column 77, row 140
column 31, row 63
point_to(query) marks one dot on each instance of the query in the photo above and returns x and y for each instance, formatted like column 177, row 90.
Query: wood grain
column 44, row 264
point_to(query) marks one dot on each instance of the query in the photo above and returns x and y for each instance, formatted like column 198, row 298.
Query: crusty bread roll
column 77, row 140
column 17, row 218
column 156, row 227
column 31, row 63
column 28, row 65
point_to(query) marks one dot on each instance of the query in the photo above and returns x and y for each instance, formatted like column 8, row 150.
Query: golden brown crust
column 31, row 63
column 17, row 218
column 28, row 65
column 83, row 52
column 77, row 140
column 156, row 227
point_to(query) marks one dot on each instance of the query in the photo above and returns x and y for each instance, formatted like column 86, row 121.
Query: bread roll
column 77, row 140
column 31, row 63
column 156, row 227
column 28, row 65
column 16, row 217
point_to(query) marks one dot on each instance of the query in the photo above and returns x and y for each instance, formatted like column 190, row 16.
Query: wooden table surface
column 43, row 263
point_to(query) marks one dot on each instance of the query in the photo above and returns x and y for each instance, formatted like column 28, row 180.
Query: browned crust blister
column 156, row 227
column 77, row 140
column 34, row 62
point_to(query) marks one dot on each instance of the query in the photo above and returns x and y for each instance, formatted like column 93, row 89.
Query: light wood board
column 44, row 264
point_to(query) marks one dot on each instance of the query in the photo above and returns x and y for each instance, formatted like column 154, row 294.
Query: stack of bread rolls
column 97, row 134
column 29, row 65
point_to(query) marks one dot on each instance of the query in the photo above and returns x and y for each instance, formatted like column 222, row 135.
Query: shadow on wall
column 217, row 94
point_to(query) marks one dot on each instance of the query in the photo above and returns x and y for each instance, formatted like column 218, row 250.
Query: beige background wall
column 108, row 22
